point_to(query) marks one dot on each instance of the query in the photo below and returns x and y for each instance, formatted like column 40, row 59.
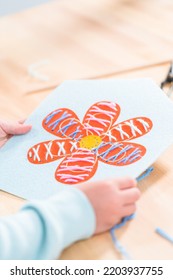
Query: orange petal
column 128, row 130
column 77, row 168
column 100, row 117
column 119, row 154
column 64, row 123
column 49, row 151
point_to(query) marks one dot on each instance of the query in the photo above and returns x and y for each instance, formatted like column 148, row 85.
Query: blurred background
column 12, row 6
column 44, row 42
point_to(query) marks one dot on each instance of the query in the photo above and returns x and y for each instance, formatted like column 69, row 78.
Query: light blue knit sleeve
column 42, row 229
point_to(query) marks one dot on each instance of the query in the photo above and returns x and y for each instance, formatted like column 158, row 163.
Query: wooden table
column 93, row 39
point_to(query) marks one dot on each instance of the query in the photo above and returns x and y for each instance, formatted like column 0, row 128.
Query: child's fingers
column 22, row 129
column 15, row 128
column 126, row 182
column 19, row 129
column 2, row 133
column 130, row 195
column 128, row 210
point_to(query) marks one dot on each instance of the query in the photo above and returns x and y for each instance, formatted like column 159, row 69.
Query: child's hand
column 111, row 200
column 8, row 129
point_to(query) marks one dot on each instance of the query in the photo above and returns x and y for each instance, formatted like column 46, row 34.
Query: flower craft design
column 81, row 145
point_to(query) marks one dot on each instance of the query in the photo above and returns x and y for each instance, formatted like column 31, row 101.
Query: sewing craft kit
column 88, row 130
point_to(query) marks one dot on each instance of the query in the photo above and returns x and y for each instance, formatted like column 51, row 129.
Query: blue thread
column 135, row 153
column 95, row 150
column 55, row 123
column 131, row 157
column 125, row 149
column 116, row 243
column 114, row 157
column 136, row 157
column 105, row 153
column 163, row 234
column 145, row 174
column 52, row 115
column 79, row 138
column 123, row 222
column 74, row 133
column 64, row 128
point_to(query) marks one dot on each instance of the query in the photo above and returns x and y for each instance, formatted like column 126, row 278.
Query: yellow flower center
column 89, row 142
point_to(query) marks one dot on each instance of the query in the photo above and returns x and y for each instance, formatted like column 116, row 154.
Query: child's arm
column 42, row 229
